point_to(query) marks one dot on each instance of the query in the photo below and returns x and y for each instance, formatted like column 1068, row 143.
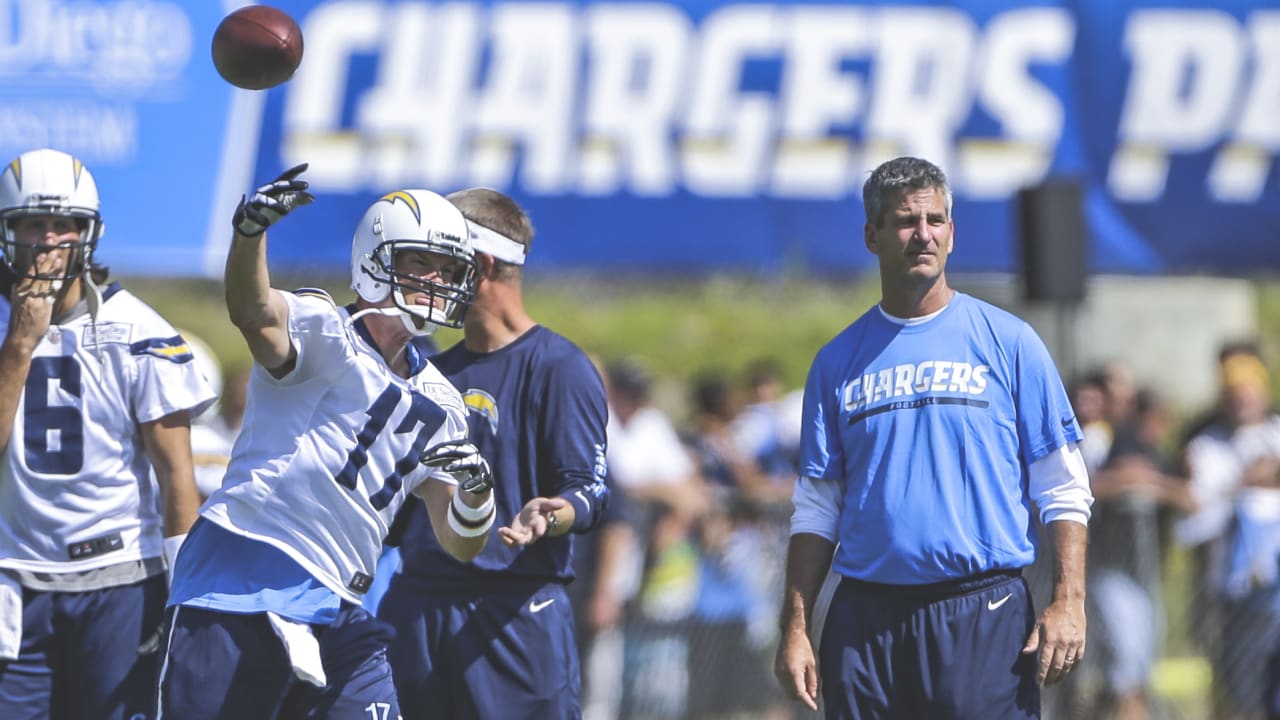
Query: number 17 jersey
column 328, row 453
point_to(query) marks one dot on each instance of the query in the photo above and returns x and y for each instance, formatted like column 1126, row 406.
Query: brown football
column 257, row 47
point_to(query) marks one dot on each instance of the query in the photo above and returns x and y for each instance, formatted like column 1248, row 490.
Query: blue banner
column 128, row 87
column 675, row 138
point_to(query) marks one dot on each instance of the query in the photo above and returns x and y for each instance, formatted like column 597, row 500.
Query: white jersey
column 328, row 453
column 76, row 489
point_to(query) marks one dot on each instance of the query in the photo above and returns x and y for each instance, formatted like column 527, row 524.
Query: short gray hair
column 903, row 174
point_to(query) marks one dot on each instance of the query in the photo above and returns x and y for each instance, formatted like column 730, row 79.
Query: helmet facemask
column 414, row 221
column 448, row 291
column 48, row 183
column 20, row 258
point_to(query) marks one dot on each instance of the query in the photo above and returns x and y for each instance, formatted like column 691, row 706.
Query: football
column 257, row 47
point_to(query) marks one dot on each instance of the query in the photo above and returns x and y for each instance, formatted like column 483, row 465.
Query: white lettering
column 728, row 131
column 902, row 381
column 638, row 64
column 902, row 378
column 1240, row 169
column 527, row 99
column 417, row 110
column 817, row 97
column 884, row 385
column 120, row 48
column 334, row 32
column 663, row 106
column 1186, row 66
column 940, row 378
column 924, row 378
column 920, row 89
column 852, row 394
column 98, row 132
column 979, row 380
column 1030, row 115
column 1257, row 124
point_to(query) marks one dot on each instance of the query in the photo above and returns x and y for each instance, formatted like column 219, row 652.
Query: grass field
column 678, row 329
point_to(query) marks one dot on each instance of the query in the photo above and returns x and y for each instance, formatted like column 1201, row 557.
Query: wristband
column 472, row 514
column 463, row 527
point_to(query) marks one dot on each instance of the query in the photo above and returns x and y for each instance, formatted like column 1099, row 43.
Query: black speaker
column 1054, row 241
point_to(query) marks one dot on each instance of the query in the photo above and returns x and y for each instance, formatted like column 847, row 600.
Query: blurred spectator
column 728, row 652
column 1120, row 393
column 768, row 426
column 738, row 566
column 1232, row 461
column 1130, row 490
column 721, row 460
column 1089, row 400
column 599, row 595
column 653, row 469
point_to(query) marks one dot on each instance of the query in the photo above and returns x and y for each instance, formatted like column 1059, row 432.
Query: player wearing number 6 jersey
column 345, row 421
column 95, row 390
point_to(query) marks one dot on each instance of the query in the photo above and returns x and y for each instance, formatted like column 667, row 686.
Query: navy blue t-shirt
column 537, row 412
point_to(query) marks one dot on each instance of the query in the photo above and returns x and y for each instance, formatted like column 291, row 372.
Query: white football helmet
column 49, row 182
column 414, row 220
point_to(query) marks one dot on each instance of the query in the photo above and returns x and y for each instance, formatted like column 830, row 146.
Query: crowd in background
column 1207, row 488
column 677, row 594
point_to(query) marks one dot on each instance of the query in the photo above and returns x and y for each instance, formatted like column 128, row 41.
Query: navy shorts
column 227, row 665
column 81, row 657
column 471, row 656
column 946, row 651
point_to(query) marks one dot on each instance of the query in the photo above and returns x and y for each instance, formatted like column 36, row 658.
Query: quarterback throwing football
column 345, row 420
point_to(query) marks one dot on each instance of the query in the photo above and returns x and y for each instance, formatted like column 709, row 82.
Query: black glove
column 464, row 462
column 271, row 202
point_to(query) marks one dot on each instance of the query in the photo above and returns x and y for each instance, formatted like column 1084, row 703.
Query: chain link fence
column 699, row 633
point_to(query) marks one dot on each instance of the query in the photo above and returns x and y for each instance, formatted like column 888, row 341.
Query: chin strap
column 93, row 297
column 90, row 303
column 428, row 328
column 371, row 311
column 407, row 317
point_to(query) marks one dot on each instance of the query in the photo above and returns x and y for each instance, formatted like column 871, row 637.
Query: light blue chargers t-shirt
column 930, row 429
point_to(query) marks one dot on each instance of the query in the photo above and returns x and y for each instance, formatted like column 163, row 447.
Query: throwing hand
column 271, row 202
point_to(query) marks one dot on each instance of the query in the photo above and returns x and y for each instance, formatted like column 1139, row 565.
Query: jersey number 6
column 54, row 435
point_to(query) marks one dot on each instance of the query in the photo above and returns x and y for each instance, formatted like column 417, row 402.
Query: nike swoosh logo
column 540, row 606
column 994, row 604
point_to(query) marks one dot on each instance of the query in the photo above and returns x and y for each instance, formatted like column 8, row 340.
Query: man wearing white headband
column 473, row 639
column 496, row 245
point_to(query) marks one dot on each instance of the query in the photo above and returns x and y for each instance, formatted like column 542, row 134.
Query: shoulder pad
column 315, row 293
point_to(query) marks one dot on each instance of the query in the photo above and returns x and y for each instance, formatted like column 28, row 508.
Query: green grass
column 678, row 328
column 683, row 327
